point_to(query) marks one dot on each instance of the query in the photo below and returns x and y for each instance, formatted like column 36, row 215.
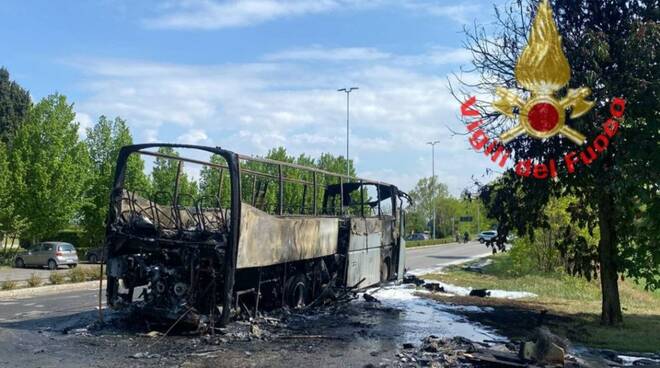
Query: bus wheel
column 297, row 291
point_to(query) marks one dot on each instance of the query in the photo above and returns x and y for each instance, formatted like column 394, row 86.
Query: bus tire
column 297, row 291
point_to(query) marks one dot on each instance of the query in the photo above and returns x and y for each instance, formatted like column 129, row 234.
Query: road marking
column 71, row 297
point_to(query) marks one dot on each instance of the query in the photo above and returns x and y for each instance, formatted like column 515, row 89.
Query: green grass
column 9, row 285
column 34, row 281
column 76, row 275
column 56, row 278
column 421, row 243
column 572, row 297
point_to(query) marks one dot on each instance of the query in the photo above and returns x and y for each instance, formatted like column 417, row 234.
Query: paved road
column 50, row 305
column 418, row 260
column 425, row 259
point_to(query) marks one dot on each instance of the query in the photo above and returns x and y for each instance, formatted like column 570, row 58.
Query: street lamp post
column 433, row 143
column 348, row 94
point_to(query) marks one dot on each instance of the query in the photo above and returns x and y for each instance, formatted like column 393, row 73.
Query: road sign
column 466, row 219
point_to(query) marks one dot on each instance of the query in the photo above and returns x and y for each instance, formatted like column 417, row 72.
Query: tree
column 11, row 224
column 50, row 167
column 425, row 197
column 558, row 243
column 209, row 183
column 14, row 105
column 612, row 47
column 163, row 179
column 103, row 142
column 450, row 210
column 335, row 164
column 294, row 192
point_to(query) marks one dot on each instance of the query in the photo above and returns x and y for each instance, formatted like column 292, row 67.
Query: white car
column 486, row 236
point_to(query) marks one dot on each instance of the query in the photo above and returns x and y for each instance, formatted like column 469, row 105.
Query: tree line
column 453, row 215
column 52, row 180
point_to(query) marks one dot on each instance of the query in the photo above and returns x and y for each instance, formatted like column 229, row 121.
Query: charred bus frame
column 194, row 252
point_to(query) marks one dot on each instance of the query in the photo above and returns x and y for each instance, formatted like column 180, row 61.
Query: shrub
column 56, row 278
column 76, row 274
column 92, row 273
column 9, row 285
column 34, row 281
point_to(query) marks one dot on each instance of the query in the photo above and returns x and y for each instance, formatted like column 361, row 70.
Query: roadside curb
column 48, row 289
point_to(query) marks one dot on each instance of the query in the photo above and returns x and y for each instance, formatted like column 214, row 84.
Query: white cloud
column 253, row 107
column 208, row 14
column 194, row 136
column 450, row 56
column 215, row 14
column 150, row 135
column 460, row 13
column 84, row 123
column 317, row 53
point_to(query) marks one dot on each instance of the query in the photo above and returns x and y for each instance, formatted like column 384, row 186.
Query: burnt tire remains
column 297, row 291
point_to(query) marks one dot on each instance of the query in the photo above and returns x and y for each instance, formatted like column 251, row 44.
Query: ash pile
column 545, row 350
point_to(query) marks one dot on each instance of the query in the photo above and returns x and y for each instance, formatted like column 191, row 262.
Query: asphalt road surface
column 49, row 305
column 420, row 260
column 41, row 331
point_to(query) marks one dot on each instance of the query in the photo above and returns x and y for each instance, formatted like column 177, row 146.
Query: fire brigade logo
column 543, row 70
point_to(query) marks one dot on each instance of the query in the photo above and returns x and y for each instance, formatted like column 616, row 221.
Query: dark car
column 418, row 236
column 96, row 255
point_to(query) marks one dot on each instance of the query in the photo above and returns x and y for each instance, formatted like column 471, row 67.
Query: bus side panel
column 268, row 240
column 364, row 253
column 401, row 267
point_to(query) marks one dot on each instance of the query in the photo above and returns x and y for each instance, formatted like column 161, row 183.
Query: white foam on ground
column 503, row 294
column 630, row 360
column 421, row 317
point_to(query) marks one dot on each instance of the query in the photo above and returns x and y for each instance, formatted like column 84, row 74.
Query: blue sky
column 254, row 74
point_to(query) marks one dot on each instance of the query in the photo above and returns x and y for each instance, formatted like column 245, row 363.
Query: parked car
column 419, row 236
column 486, row 236
column 49, row 254
column 96, row 255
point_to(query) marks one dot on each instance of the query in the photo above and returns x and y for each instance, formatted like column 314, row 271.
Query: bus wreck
column 271, row 234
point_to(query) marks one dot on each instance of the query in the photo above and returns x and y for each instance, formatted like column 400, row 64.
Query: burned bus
column 261, row 234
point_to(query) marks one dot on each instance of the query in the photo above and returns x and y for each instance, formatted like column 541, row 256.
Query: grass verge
column 34, row 281
column 572, row 304
column 8, row 285
column 56, row 278
column 421, row 243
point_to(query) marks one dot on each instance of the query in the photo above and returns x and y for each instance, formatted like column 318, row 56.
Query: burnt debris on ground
column 372, row 331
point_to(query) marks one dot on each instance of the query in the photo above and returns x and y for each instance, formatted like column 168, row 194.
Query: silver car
column 49, row 254
column 486, row 236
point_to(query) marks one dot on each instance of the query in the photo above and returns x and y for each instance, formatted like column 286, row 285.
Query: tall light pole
column 348, row 94
column 433, row 143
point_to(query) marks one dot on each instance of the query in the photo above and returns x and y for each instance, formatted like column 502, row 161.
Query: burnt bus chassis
column 207, row 267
